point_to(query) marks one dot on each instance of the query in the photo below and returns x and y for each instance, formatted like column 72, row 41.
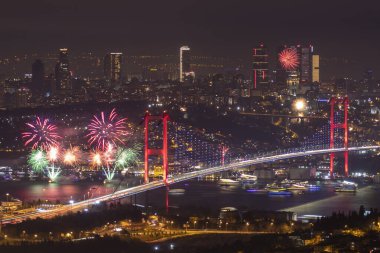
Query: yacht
column 248, row 179
column 346, row 186
column 227, row 181
column 176, row 191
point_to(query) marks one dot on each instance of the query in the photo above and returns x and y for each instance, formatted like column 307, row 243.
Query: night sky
column 347, row 29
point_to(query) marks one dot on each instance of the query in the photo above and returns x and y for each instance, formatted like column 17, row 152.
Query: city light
column 300, row 104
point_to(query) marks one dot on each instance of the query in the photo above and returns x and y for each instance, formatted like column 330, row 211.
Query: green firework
column 126, row 157
column 37, row 160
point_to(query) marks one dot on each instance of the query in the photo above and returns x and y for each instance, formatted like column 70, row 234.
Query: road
column 272, row 157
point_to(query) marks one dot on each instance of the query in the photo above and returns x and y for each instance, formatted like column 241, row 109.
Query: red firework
column 105, row 130
column 41, row 134
column 289, row 58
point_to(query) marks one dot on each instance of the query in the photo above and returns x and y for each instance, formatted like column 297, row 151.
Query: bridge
column 238, row 163
column 194, row 151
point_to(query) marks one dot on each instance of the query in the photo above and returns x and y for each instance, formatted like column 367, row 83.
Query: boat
column 227, row 181
column 248, row 179
column 176, row 191
column 345, row 189
column 280, row 193
column 297, row 187
column 257, row 191
column 346, row 186
column 274, row 188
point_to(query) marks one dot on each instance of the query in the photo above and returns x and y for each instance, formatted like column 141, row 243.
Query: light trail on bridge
column 81, row 205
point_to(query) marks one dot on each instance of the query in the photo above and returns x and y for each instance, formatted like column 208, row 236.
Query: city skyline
column 88, row 27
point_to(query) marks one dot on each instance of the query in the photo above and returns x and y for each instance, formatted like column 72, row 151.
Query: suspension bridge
column 190, row 149
column 255, row 160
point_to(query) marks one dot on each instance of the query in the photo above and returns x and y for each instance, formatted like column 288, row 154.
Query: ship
column 346, row 186
column 176, row 191
column 227, row 182
column 248, row 179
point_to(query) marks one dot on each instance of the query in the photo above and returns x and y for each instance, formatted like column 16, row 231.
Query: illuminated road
column 271, row 157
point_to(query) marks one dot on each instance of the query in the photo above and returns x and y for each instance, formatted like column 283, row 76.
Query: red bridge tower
column 158, row 152
column 333, row 102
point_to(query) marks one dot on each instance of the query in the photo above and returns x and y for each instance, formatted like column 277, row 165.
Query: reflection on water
column 203, row 194
column 344, row 202
column 28, row 191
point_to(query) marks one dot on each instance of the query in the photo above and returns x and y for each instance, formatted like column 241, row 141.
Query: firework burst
column 96, row 159
column 53, row 154
column 126, row 157
column 37, row 160
column 71, row 156
column 105, row 130
column 289, row 58
column 41, row 134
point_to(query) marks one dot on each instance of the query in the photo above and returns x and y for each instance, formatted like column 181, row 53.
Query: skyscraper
column 184, row 63
column 113, row 65
column 62, row 73
column 306, row 54
column 260, row 67
column 38, row 78
column 315, row 68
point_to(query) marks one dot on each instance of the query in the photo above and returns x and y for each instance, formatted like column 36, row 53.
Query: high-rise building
column 260, row 67
column 62, row 73
column 113, row 65
column 315, row 69
column 38, row 78
column 306, row 55
column 184, row 63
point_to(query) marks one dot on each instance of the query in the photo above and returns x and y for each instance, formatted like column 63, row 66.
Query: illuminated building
column 22, row 97
column 260, row 67
column 62, row 73
column 113, row 63
column 315, row 68
column 306, row 54
column 184, row 64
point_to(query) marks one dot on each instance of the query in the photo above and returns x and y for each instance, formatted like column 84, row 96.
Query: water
column 202, row 196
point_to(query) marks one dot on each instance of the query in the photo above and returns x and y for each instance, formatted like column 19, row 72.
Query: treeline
column 353, row 219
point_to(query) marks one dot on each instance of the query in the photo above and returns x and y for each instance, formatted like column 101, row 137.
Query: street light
column 7, row 197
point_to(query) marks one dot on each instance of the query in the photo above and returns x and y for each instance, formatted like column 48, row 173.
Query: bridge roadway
column 77, row 206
